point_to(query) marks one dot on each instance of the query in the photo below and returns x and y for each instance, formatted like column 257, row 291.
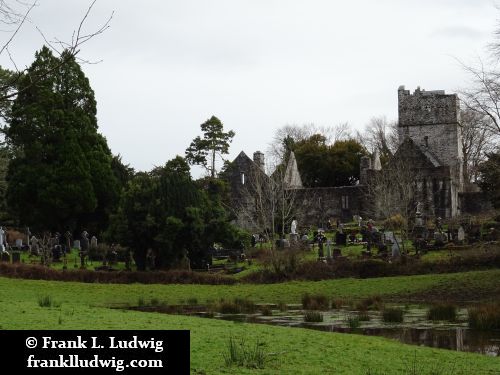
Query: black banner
column 100, row 352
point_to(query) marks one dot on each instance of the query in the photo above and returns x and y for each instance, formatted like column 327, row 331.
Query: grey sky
column 258, row 64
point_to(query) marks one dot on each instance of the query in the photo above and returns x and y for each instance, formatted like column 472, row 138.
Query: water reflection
column 452, row 337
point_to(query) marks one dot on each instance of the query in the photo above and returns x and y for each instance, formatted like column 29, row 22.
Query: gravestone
column 76, row 244
column 328, row 249
column 19, row 243
column 2, row 239
column 393, row 243
column 93, row 242
column 35, row 247
column 341, row 238
column 461, row 234
column 293, row 228
column 440, row 238
column 84, row 241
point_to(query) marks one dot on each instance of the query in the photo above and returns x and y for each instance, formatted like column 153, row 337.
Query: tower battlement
column 427, row 107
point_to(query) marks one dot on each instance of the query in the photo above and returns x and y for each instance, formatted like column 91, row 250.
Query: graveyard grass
column 297, row 351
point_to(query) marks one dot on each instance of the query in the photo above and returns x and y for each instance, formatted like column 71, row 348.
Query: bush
column 236, row 306
column 313, row 316
column 394, row 222
column 442, row 311
column 485, row 317
column 392, row 315
column 337, row 303
column 47, row 301
column 315, row 302
column 34, row 272
column 238, row 354
column 367, row 268
column 353, row 321
column 282, row 306
column 266, row 310
column 363, row 316
column 370, row 303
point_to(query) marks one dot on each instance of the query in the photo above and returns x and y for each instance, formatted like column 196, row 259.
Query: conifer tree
column 60, row 175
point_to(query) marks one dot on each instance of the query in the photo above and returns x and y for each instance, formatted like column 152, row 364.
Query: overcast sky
column 257, row 64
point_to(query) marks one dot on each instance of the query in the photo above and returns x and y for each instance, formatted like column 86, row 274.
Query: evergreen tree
column 489, row 172
column 167, row 212
column 60, row 175
column 323, row 165
column 203, row 151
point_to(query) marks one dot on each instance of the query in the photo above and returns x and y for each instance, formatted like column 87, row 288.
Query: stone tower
column 431, row 119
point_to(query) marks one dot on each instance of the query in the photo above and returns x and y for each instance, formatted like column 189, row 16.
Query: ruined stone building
column 430, row 141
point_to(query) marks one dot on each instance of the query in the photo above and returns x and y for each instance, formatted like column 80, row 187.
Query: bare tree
column 477, row 141
column 392, row 191
column 266, row 203
column 483, row 95
column 17, row 17
column 380, row 135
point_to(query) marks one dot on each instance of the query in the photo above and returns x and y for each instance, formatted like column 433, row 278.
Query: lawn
column 290, row 350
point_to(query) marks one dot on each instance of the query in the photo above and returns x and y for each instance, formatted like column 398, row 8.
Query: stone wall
column 316, row 205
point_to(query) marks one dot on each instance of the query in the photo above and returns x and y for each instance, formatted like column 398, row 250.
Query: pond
column 416, row 328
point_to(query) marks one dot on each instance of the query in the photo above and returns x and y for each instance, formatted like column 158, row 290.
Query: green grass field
column 290, row 350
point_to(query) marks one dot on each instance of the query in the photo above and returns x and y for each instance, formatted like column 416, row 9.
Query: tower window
column 242, row 178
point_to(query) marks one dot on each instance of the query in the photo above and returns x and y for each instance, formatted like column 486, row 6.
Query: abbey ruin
column 429, row 136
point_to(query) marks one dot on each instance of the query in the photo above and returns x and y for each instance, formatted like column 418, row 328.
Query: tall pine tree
column 60, row 176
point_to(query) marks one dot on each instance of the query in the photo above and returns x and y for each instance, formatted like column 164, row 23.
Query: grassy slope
column 290, row 292
column 300, row 351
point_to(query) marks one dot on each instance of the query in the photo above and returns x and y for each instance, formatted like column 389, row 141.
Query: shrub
column 392, row 315
column 45, row 301
column 370, row 303
column 394, row 222
column 485, row 317
column 282, row 306
column 337, row 304
column 313, row 316
column 35, row 272
column 266, row 310
column 363, row 316
column 315, row 302
column 353, row 321
column 238, row 354
column 141, row 302
column 192, row 301
column 246, row 305
column 227, row 307
column 236, row 306
column 442, row 311
column 155, row 302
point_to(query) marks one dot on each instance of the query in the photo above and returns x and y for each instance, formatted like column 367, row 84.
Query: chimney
column 258, row 158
